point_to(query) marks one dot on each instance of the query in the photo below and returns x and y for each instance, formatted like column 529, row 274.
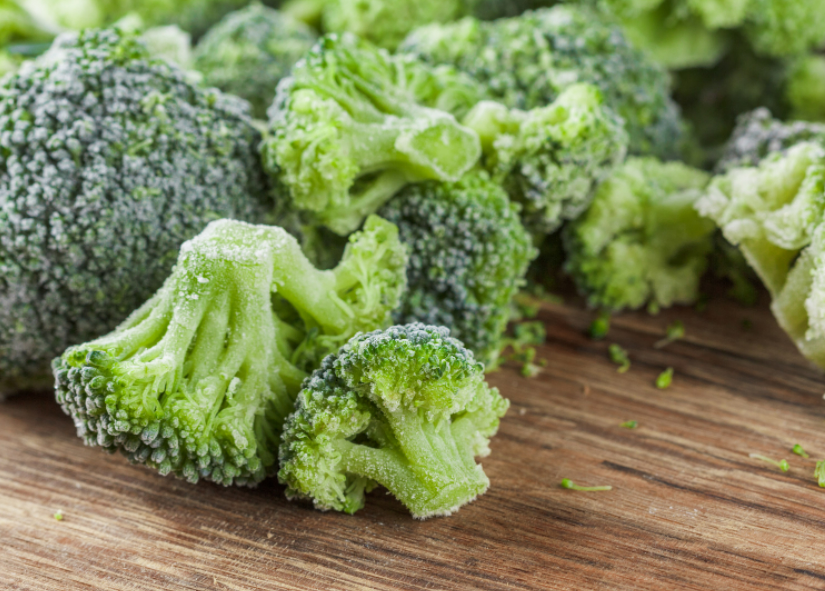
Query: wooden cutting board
column 689, row 508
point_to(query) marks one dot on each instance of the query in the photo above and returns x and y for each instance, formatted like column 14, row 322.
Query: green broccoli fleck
column 551, row 158
column 819, row 473
column 629, row 424
column 406, row 408
column 664, row 379
column 675, row 331
column 569, row 484
column 781, row 464
column 58, row 515
column 198, row 381
column 108, row 162
column 619, row 357
column 527, row 61
column 600, row 326
column 250, row 51
column 798, row 450
column 468, row 257
column 347, row 132
column 641, row 242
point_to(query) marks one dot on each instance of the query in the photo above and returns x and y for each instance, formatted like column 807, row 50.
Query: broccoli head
column 468, row 257
column 108, row 162
column 551, row 158
column 198, row 381
column 758, row 135
column 641, row 242
column 527, row 61
column 347, row 132
column 250, row 51
column 406, row 408
column 773, row 212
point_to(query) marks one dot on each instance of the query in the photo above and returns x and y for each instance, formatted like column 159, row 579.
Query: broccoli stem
column 345, row 219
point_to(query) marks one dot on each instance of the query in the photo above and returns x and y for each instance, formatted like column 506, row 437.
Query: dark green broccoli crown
column 759, row 135
column 108, row 162
column 468, row 256
column 528, row 60
column 406, row 408
column 250, row 50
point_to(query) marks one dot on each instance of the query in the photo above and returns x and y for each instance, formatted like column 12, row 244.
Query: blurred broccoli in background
column 773, row 212
column 527, row 61
column 108, row 162
column 250, row 51
column 406, row 408
column 641, row 242
column 551, row 158
column 806, row 88
column 199, row 380
column 468, row 256
column 348, row 131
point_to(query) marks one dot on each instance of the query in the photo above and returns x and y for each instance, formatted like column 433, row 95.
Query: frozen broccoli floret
column 641, row 242
column 551, row 158
column 527, row 61
column 108, row 162
column 758, row 135
column 406, row 408
column 773, row 213
column 468, row 256
column 198, row 381
column 806, row 88
column 348, row 131
column 250, row 51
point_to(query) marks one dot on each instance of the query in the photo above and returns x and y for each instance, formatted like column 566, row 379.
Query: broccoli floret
column 468, row 257
column 641, row 242
column 527, row 61
column 406, row 408
column 108, row 162
column 347, row 132
column 198, row 381
column 758, row 135
column 774, row 213
column 250, row 51
column 550, row 158
column 806, row 88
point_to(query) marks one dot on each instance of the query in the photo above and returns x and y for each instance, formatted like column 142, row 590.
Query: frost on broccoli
column 406, row 408
column 773, row 212
column 198, row 381
column 108, row 162
column 468, row 256
column 551, row 158
column 641, row 242
column 758, row 135
column 347, row 132
column 527, row 61
column 250, row 51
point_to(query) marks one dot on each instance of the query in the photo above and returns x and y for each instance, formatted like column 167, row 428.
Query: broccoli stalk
column 347, row 132
column 406, row 408
column 551, row 158
column 199, row 380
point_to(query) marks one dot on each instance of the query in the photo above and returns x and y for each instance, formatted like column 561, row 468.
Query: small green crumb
column 674, row 332
column 797, row 449
column 569, row 484
column 600, row 326
column 665, row 379
column 629, row 424
column 781, row 464
column 58, row 515
column 819, row 473
column 619, row 357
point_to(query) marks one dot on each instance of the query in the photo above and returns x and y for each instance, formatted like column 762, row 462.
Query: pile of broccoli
column 336, row 204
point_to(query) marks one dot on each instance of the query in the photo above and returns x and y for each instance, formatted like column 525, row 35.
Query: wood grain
column 689, row 508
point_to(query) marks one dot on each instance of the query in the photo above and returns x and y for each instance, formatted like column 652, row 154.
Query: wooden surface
column 689, row 508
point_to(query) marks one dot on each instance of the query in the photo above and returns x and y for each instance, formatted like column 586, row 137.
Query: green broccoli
column 551, row 158
column 108, row 162
column 641, row 242
column 527, row 61
column 468, row 257
column 198, row 381
column 806, row 88
column 406, row 408
column 347, row 132
column 773, row 212
column 250, row 51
